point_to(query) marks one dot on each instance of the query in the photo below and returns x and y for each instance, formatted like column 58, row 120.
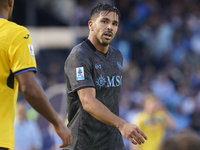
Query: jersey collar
column 93, row 47
column 1, row 17
column 90, row 44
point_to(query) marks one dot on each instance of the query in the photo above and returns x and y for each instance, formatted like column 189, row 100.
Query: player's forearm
column 103, row 114
column 97, row 109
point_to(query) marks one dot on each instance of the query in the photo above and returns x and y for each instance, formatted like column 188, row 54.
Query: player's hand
column 133, row 133
column 65, row 134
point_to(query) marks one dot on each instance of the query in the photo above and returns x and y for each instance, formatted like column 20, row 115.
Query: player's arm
column 103, row 114
column 35, row 96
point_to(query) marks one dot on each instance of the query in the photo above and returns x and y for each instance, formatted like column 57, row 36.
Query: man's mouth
column 108, row 35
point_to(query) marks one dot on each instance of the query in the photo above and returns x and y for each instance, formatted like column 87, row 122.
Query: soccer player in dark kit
column 17, row 69
column 94, row 77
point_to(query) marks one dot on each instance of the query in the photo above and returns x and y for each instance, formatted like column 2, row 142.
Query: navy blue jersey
column 88, row 67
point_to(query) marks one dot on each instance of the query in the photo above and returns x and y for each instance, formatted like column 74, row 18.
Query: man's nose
column 110, row 27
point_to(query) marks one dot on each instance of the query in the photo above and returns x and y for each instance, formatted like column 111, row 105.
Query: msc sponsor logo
column 114, row 81
column 100, row 81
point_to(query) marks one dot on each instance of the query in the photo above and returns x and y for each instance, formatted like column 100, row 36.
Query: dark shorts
column 1, row 148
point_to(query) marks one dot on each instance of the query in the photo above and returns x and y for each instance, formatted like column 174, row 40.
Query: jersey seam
column 24, row 70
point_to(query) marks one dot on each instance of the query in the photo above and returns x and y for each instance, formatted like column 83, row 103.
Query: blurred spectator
column 163, row 87
column 195, row 120
column 64, row 10
column 82, row 12
column 154, row 120
column 54, row 74
column 27, row 133
column 183, row 140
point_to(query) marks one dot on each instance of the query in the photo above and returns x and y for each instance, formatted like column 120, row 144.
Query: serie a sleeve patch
column 80, row 73
column 31, row 50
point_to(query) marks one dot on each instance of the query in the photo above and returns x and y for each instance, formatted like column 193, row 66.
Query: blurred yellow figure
column 153, row 120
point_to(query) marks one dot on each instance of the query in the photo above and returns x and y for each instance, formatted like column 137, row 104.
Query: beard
column 103, row 42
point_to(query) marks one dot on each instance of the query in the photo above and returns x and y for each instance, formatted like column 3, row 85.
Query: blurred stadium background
column 159, row 39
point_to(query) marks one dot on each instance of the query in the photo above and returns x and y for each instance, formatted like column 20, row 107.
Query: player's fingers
column 137, row 138
column 69, row 140
column 143, row 134
column 140, row 138
column 64, row 144
column 132, row 140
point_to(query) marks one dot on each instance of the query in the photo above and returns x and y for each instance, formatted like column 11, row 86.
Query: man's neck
column 3, row 15
column 99, row 47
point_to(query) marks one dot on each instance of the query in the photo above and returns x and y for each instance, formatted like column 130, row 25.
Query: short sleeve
column 78, row 71
column 21, row 52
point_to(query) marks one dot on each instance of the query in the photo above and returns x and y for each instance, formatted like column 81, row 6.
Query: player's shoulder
column 79, row 52
column 81, row 46
column 115, row 50
column 13, row 25
column 79, row 49
column 15, row 28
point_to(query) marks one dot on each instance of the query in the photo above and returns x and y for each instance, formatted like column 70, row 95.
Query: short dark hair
column 104, row 7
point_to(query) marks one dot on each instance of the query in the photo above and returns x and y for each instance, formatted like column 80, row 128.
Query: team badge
column 80, row 73
column 31, row 50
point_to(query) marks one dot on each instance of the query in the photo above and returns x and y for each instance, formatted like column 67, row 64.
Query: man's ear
column 10, row 3
column 90, row 25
